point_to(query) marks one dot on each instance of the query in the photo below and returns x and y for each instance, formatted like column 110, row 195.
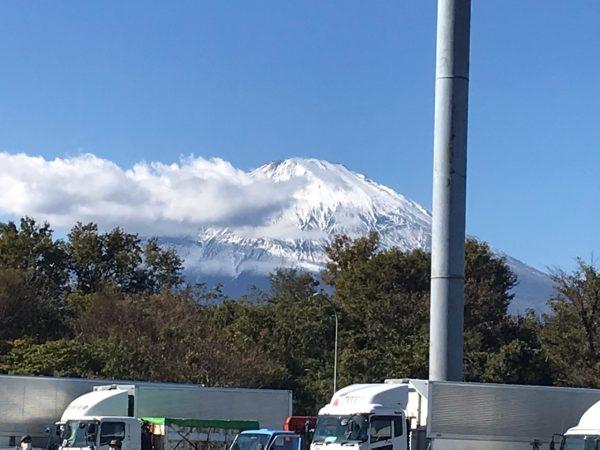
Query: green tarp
column 201, row 423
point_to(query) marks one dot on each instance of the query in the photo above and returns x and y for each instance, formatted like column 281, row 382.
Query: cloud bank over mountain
column 150, row 198
column 230, row 225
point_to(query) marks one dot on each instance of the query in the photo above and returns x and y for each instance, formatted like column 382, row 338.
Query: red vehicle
column 303, row 426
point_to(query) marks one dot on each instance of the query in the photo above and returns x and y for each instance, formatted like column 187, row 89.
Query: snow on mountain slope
column 328, row 199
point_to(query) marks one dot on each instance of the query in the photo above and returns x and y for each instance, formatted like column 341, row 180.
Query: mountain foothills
column 325, row 200
column 109, row 304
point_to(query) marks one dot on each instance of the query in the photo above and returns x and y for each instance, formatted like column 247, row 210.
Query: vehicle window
column 398, row 426
column 79, row 433
column 285, row 443
column 580, row 443
column 110, row 431
column 249, row 441
column 380, row 429
column 341, row 429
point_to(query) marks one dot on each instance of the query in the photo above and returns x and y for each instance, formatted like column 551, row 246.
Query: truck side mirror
column 552, row 445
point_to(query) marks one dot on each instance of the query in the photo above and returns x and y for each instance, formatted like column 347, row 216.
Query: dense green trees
column 571, row 334
column 33, row 281
column 384, row 299
column 111, row 305
column 383, row 302
column 120, row 259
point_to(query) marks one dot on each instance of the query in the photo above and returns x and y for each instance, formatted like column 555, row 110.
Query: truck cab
column 266, row 439
column 586, row 435
column 92, row 420
column 364, row 417
column 95, row 433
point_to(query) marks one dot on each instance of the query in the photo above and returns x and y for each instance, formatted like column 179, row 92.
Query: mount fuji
column 326, row 199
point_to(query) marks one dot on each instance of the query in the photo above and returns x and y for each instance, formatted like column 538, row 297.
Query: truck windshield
column 341, row 429
column 250, row 441
column 580, row 443
column 80, row 433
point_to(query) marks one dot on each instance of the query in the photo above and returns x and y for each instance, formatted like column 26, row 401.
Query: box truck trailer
column 420, row 415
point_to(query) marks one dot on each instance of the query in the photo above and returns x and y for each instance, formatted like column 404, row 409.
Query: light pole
column 335, row 342
column 449, row 191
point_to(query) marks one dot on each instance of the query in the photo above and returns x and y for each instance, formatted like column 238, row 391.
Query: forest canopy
column 113, row 305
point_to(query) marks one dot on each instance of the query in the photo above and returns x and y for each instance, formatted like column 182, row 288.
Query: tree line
column 111, row 305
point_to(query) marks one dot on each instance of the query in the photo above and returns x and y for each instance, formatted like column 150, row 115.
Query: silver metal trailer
column 267, row 406
column 469, row 416
column 30, row 404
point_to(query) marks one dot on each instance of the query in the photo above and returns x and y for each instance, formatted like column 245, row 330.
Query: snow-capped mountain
column 326, row 199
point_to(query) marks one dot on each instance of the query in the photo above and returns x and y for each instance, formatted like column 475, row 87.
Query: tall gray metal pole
column 449, row 189
column 335, row 345
column 335, row 354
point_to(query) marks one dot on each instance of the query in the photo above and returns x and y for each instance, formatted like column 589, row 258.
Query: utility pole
column 335, row 350
column 449, row 190
column 335, row 344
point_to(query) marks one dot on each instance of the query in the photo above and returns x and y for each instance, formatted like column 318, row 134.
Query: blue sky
column 347, row 81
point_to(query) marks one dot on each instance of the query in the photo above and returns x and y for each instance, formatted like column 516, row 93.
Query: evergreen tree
column 31, row 249
column 571, row 335
column 87, row 257
column 34, row 277
column 121, row 260
column 164, row 266
column 383, row 301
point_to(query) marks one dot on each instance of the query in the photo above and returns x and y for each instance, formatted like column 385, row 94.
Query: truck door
column 387, row 433
column 110, row 430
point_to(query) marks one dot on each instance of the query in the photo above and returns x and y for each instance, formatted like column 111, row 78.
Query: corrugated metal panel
column 504, row 412
column 458, row 444
column 30, row 404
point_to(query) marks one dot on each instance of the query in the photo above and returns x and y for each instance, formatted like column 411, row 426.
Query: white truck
column 586, row 435
column 28, row 405
column 419, row 415
column 196, row 415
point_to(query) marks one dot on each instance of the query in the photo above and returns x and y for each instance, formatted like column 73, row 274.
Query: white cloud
column 150, row 198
